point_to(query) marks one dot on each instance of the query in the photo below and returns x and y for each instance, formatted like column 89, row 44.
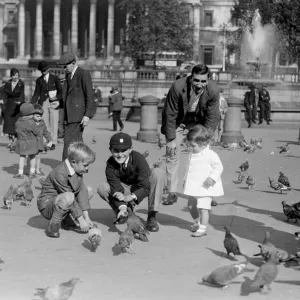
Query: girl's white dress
column 202, row 165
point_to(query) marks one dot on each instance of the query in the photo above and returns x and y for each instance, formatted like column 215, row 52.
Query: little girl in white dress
column 203, row 180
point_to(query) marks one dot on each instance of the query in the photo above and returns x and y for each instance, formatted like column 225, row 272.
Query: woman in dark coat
column 13, row 95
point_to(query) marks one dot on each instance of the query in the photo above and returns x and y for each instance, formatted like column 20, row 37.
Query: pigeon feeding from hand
column 231, row 244
column 146, row 154
column 242, row 176
column 250, row 181
column 159, row 141
column 62, row 291
column 277, row 186
column 9, row 197
column 95, row 236
column 266, row 274
column 284, row 149
column 94, row 141
column 283, row 179
column 125, row 241
column 291, row 211
column 28, row 195
column 135, row 224
column 222, row 276
column 244, row 166
column 297, row 235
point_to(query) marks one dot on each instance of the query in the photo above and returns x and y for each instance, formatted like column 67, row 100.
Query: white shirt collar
column 46, row 77
column 70, row 169
column 125, row 163
column 74, row 70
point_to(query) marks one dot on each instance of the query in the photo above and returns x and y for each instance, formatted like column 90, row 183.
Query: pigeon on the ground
column 231, row 244
column 95, row 236
column 250, row 181
column 242, row 176
column 258, row 143
column 94, row 141
column 42, row 180
column 9, row 197
column 222, row 276
column 266, row 274
column 284, row 149
column 233, row 146
column 252, row 149
column 244, row 166
column 277, row 186
column 283, row 179
column 146, row 154
column 1, row 261
column 243, row 143
column 290, row 211
column 28, row 195
column 21, row 189
column 62, row 291
column 135, row 224
column 159, row 141
column 224, row 145
column 125, row 241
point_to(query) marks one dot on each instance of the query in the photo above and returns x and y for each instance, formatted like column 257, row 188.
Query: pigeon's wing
column 223, row 275
column 265, row 275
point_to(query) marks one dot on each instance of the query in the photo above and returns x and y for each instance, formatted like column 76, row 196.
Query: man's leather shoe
column 260, row 122
column 52, row 147
column 254, row 121
column 53, row 230
column 172, row 198
column 249, row 125
column 152, row 224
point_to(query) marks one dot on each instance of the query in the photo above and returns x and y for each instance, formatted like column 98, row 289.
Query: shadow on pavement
column 290, row 142
column 50, row 162
column 38, row 222
column 3, row 144
column 13, row 169
column 87, row 245
column 254, row 231
column 168, row 220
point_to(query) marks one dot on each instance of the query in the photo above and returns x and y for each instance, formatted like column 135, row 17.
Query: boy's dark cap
column 43, row 66
column 26, row 109
column 120, row 141
column 66, row 59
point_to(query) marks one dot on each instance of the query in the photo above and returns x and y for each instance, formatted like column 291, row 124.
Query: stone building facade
column 35, row 29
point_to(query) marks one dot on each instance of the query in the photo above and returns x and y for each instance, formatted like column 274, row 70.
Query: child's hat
column 26, row 109
column 120, row 141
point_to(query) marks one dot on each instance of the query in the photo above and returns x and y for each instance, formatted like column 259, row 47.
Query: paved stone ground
column 172, row 264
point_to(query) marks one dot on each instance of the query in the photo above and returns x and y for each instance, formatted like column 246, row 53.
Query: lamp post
column 224, row 46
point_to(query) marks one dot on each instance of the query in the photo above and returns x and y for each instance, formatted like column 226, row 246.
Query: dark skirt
column 11, row 115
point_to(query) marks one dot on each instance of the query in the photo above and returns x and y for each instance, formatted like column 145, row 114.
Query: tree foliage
column 155, row 26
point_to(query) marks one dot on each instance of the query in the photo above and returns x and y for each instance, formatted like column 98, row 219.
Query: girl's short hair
column 14, row 71
column 38, row 110
column 199, row 135
column 79, row 151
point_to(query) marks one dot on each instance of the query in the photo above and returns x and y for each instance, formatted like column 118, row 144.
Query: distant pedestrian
column 264, row 105
column 27, row 139
column 43, row 133
column 13, row 96
column 78, row 100
column 203, row 180
column 97, row 98
column 116, row 101
column 223, row 110
column 250, row 106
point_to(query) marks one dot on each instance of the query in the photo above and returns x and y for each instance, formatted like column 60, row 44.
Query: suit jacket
column 11, row 97
column 78, row 98
column 136, row 175
column 176, row 104
column 116, row 101
column 60, row 181
column 42, row 88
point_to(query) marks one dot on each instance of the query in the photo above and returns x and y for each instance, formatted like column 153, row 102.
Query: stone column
column 93, row 8
column 232, row 125
column 1, row 30
column 21, row 30
column 56, row 30
column 148, row 129
column 74, row 34
column 28, row 35
column 39, row 29
column 110, row 29
column 196, row 17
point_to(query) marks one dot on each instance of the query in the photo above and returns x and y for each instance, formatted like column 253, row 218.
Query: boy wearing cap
column 78, row 99
column 65, row 199
column 130, row 180
column 116, row 105
column 27, row 139
column 48, row 94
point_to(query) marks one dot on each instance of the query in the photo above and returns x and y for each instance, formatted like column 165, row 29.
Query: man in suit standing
column 191, row 100
column 48, row 94
column 78, row 100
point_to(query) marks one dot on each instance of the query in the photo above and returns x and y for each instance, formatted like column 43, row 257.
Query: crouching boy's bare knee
column 90, row 192
column 65, row 200
column 103, row 190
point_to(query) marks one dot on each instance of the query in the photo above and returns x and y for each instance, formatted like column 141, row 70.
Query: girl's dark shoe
column 214, row 203
column 152, row 224
column 19, row 176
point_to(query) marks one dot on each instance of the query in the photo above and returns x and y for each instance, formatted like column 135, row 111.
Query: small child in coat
column 65, row 199
column 43, row 133
column 27, row 143
column 203, row 179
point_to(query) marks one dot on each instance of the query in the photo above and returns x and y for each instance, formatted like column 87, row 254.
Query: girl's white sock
column 21, row 171
column 32, row 170
column 202, row 228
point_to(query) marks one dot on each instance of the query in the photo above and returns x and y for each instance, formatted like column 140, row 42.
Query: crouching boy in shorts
column 65, row 199
column 130, row 180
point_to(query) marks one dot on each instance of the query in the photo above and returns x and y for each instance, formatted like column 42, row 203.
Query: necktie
column 69, row 80
column 124, row 167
